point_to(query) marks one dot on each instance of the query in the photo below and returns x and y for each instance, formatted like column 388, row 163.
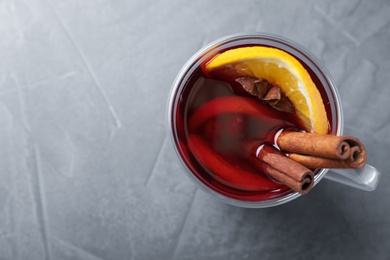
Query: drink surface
column 216, row 118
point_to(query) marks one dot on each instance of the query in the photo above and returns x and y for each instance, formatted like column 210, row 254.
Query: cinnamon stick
column 314, row 162
column 329, row 146
column 281, row 168
column 323, row 151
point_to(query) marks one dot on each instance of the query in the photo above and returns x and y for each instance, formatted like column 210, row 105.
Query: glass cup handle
column 366, row 178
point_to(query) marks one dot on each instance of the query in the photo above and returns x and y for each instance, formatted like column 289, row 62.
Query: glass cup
column 366, row 178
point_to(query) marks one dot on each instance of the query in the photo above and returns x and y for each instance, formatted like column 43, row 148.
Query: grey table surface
column 87, row 170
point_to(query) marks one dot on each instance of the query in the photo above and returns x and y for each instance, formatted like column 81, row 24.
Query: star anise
column 267, row 93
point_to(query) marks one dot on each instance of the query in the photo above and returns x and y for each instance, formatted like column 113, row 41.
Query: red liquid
column 212, row 148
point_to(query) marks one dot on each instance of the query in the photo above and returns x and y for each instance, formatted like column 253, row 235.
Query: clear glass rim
column 255, row 38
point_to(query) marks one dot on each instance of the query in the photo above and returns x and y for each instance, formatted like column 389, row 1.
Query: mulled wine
column 214, row 118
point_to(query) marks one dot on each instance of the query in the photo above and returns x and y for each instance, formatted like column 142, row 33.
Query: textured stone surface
column 88, row 172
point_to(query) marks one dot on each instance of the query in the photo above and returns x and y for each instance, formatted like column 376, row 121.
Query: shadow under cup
column 178, row 114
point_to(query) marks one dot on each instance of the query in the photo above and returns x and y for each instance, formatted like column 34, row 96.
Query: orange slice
column 283, row 70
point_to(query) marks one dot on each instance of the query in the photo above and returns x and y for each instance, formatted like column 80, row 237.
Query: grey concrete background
column 87, row 170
